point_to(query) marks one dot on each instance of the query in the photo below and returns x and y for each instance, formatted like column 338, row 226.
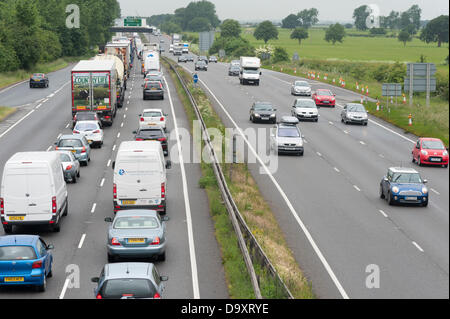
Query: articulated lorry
column 120, row 71
column 123, row 50
column 94, row 88
column 250, row 70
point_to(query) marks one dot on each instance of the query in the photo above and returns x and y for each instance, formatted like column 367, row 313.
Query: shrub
column 280, row 54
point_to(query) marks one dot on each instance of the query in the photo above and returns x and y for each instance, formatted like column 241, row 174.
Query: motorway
column 327, row 202
column 194, row 262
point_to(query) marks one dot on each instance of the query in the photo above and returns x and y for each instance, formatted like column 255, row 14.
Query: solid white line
column 435, row 191
column 102, row 182
column 195, row 285
column 44, row 101
column 109, row 163
column 51, row 95
column 286, row 199
column 49, row 148
column 383, row 213
column 417, row 246
column 8, row 88
column 63, row 292
column 337, row 170
column 357, row 188
column 38, row 106
column 93, row 208
column 12, row 126
column 81, row 241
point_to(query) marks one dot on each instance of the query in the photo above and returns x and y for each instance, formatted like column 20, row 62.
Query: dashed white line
column 38, row 106
column 118, row 135
column 329, row 122
column 67, row 125
column 124, row 116
column 121, row 125
column 337, row 170
column 346, row 132
column 60, row 134
column 81, row 241
column 93, row 208
column 357, row 188
column 381, row 155
column 319, row 154
column 114, row 148
column 102, row 182
column 417, row 246
column 126, row 109
column 383, row 213
column 109, row 163
column 362, row 143
column 49, row 148
column 435, row 191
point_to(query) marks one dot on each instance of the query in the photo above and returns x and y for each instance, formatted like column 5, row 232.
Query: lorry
column 120, row 71
column 151, row 62
column 250, row 70
column 123, row 50
column 176, row 38
column 94, row 88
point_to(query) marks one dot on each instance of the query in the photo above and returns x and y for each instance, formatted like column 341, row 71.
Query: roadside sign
column 420, row 84
column 419, row 79
column 391, row 89
column 221, row 53
column 195, row 78
column 420, row 69
column 295, row 57
column 205, row 40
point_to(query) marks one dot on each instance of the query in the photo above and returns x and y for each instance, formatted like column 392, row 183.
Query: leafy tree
column 404, row 36
column 279, row 55
column 308, row 17
column 199, row 24
column 170, row 27
column 436, row 30
column 348, row 25
column 290, row 22
column 230, row 28
column 335, row 33
column 392, row 21
column 360, row 15
column 265, row 31
column 377, row 31
column 299, row 34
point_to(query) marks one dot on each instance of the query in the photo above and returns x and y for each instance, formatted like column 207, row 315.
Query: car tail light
column 114, row 191
column 69, row 167
column 2, row 206
column 56, row 147
column 157, row 296
column 162, row 139
column 163, row 190
column 160, row 85
column 98, row 296
column 156, row 241
column 96, row 131
column 162, row 119
column 83, row 150
column 54, row 206
column 142, row 119
column 107, row 117
column 115, row 241
column 37, row 264
column 75, row 118
column 139, row 139
column 76, row 132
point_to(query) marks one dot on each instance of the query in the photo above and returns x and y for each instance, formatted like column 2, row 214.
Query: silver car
column 301, row 88
column 354, row 113
column 70, row 166
column 286, row 137
column 137, row 233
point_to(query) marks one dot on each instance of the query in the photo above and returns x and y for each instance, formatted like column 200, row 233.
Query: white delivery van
column 151, row 62
column 33, row 191
column 250, row 70
column 140, row 176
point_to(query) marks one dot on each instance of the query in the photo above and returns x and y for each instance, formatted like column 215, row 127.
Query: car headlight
column 272, row 115
column 424, row 152
column 395, row 189
column 444, row 153
column 257, row 115
column 424, row 190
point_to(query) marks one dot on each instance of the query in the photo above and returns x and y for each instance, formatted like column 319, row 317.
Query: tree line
column 33, row 31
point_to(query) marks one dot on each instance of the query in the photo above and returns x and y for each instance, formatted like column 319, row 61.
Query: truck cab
column 250, row 71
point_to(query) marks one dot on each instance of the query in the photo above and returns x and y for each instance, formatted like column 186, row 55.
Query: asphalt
column 81, row 245
column 327, row 202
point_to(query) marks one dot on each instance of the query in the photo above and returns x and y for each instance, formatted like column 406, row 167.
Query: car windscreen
column 133, row 222
column 201, row 63
column 306, row 104
column 17, row 253
column 37, row 76
column 234, row 68
column 324, row 93
column 152, row 114
column 149, row 133
column 433, row 145
column 64, row 157
column 301, row 83
column 263, row 107
column 288, row 132
column 86, row 126
column 355, row 108
column 406, row 178
column 128, row 287
column 70, row 143
column 251, row 71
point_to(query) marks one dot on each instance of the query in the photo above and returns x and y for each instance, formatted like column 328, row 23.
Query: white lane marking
column 286, row 199
column 12, row 86
column 126, row 109
column 93, row 208
column 49, row 148
column 60, row 134
column 63, row 292
column 81, row 241
column 417, row 246
column 329, row 122
column 114, row 148
column 381, row 155
column 357, row 188
column 118, row 135
column 128, row 102
column 337, row 170
column 12, row 126
column 44, row 101
column 319, row 154
column 51, row 95
column 362, row 143
column 38, row 106
column 121, row 125
column 187, row 204
column 124, row 116
column 68, row 124
column 102, row 182
column 435, row 191
column 109, row 163
column 346, row 132
column 383, row 213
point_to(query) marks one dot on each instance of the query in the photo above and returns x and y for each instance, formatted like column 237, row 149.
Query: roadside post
column 195, row 79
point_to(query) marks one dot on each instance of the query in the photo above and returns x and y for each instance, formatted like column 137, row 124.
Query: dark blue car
column 25, row 260
column 404, row 185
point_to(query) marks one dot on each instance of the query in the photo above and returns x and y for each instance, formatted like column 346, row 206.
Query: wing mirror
column 165, row 218
column 95, row 279
column 108, row 219
column 385, row 179
column 425, row 181
column 50, row 246
column 134, row 132
column 164, row 278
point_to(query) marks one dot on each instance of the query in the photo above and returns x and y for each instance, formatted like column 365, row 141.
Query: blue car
column 25, row 260
column 404, row 185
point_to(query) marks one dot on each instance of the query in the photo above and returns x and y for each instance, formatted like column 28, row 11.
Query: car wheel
column 419, row 162
column 445, row 166
column 162, row 257
column 111, row 258
column 50, row 274
column 390, row 200
column 425, row 204
column 41, row 288
column 74, row 178
column 413, row 160
column 7, row 229
column 381, row 192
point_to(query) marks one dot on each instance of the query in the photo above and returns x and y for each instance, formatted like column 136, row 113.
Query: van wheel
column 66, row 210
column 7, row 229
column 78, row 174
column 56, row 228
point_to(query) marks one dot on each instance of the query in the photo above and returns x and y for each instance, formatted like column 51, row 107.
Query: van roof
column 33, row 157
column 139, row 145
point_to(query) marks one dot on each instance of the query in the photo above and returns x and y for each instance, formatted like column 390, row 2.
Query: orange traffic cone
column 378, row 105
column 404, row 98
column 362, row 99
column 410, row 119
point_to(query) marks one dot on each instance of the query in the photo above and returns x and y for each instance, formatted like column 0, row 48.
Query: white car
column 70, row 165
column 286, row 137
column 91, row 130
column 152, row 118
column 301, row 88
column 305, row 109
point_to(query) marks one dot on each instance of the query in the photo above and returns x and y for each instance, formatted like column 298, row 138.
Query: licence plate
column 410, row 198
column 436, row 159
column 136, row 240
column 151, row 123
column 16, row 217
column 153, row 89
column 128, row 202
column 307, row 115
column 89, row 141
column 14, row 279
column 74, row 151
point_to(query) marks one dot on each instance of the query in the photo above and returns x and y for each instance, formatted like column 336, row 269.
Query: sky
column 254, row 10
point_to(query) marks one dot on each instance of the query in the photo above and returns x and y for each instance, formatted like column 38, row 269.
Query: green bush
column 280, row 54
column 8, row 59
column 234, row 47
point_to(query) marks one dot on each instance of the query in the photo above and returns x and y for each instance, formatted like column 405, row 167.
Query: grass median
column 6, row 111
column 256, row 212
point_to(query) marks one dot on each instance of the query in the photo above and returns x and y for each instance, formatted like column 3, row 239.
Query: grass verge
column 256, row 212
column 6, row 111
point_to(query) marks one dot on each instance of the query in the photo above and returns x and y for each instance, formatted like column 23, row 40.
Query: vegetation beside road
column 6, row 111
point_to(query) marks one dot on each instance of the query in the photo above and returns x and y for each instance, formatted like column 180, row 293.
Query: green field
column 6, row 111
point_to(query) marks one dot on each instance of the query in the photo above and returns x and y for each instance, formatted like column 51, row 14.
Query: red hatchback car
column 430, row 151
column 324, row 97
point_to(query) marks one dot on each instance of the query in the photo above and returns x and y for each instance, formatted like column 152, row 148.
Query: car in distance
column 263, row 112
column 91, row 130
column 430, row 151
column 354, row 113
column 129, row 280
column 153, row 89
column 70, row 166
column 182, row 59
column 151, row 118
column 201, row 65
column 233, row 70
column 171, row 48
column 324, row 97
column 153, row 134
column 286, row 137
column 305, row 109
column 25, row 260
column 235, row 62
column 203, row 58
column 137, row 233
column 190, row 58
column 301, row 88
column 39, row 80
column 404, row 185
column 85, row 116
column 78, row 145
column 213, row 58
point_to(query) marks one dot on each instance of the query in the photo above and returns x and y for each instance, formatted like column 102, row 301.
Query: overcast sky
column 249, row 10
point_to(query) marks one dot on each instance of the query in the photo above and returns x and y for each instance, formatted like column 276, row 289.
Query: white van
column 33, row 191
column 140, row 176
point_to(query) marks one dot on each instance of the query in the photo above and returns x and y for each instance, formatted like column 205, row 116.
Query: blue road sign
column 195, row 77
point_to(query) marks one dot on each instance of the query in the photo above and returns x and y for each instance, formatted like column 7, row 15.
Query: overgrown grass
column 6, row 111
column 255, row 210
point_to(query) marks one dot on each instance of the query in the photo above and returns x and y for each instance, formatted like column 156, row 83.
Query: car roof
column 288, row 121
column 137, row 212
column 430, row 139
column 18, row 240
column 349, row 104
column 63, row 151
column 128, row 270
column 151, row 110
column 402, row 170
column 88, row 122
column 303, row 81
column 71, row 136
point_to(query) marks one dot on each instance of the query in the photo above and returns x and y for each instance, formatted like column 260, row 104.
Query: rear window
column 65, row 158
column 152, row 85
column 70, row 143
column 130, row 287
column 17, row 253
column 150, row 133
column 86, row 126
column 133, row 222
column 152, row 114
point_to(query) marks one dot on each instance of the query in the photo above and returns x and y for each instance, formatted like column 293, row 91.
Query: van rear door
column 40, row 190
column 15, row 188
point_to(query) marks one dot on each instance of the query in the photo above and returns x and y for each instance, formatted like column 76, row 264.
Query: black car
column 153, row 89
column 213, row 58
column 189, row 58
column 85, row 116
column 203, row 58
column 182, row 59
column 39, row 80
column 153, row 134
column 263, row 112
column 233, row 70
column 201, row 65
